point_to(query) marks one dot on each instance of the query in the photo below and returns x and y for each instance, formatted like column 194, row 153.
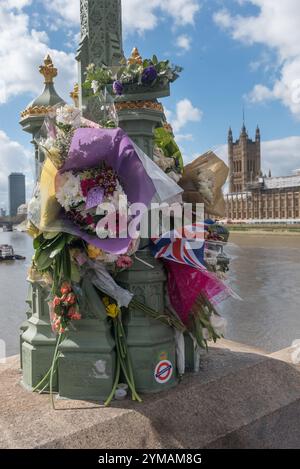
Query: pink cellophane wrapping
column 185, row 284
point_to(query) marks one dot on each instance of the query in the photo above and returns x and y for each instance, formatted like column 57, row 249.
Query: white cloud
column 260, row 93
column 277, row 27
column 184, row 138
column 22, row 51
column 14, row 158
column 68, row 10
column 18, row 4
column 185, row 113
column 281, row 156
column 184, row 42
column 137, row 15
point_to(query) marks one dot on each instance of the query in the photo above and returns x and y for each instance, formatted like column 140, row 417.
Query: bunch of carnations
column 65, row 308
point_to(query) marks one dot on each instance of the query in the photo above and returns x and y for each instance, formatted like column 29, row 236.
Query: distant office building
column 2, row 212
column 256, row 197
column 16, row 192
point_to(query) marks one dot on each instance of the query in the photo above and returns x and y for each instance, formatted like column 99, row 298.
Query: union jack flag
column 185, row 246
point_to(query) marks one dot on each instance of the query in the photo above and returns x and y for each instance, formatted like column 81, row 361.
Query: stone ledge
column 242, row 398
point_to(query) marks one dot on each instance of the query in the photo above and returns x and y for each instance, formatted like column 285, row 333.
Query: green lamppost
column 37, row 339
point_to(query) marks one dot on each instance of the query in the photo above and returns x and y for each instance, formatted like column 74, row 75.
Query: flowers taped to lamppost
column 89, row 218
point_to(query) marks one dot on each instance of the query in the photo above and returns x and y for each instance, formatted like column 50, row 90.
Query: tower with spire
column 244, row 157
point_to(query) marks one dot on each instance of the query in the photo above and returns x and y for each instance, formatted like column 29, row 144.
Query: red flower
column 89, row 219
column 66, row 288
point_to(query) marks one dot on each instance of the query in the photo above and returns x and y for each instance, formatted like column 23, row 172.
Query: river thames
column 265, row 272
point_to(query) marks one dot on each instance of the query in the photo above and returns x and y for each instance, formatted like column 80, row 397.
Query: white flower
column 69, row 192
column 95, row 86
column 69, row 115
column 118, row 199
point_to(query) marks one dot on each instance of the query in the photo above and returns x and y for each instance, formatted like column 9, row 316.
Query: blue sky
column 235, row 54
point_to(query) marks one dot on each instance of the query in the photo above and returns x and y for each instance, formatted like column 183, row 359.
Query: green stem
column 123, row 366
column 47, row 384
column 128, row 360
column 55, row 356
column 36, row 388
column 117, row 377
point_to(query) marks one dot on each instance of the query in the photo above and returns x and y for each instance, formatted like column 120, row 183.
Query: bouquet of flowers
column 134, row 72
column 81, row 192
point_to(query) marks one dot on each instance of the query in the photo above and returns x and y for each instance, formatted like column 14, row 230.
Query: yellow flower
column 106, row 300
column 112, row 310
column 94, row 252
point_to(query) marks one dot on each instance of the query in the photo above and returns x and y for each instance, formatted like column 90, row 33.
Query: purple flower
column 118, row 87
column 149, row 75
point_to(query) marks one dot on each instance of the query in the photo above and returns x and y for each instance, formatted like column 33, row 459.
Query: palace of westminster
column 252, row 196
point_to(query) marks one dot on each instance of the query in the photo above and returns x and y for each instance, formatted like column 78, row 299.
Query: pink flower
column 56, row 301
column 124, row 262
column 71, row 299
column 73, row 314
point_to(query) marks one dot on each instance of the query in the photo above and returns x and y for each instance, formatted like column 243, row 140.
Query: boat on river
column 7, row 253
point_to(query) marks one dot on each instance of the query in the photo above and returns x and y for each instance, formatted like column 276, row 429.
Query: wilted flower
column 149, row 75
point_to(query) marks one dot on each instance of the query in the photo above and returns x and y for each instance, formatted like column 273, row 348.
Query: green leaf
column 37, row 242
column 154, row 60
column 75, row 273
column 57, row 247
column 43, row 260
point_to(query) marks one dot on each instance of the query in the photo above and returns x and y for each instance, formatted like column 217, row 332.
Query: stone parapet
column 242, row 398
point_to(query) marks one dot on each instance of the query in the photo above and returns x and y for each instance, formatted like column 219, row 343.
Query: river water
column 265, row 272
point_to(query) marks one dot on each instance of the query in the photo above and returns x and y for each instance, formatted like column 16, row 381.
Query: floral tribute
column 134, row 72
column 85, row 167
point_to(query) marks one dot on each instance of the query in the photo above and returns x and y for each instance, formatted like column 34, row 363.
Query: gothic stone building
column 253, row 197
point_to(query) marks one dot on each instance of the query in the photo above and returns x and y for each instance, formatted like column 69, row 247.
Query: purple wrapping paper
column 88, row 149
